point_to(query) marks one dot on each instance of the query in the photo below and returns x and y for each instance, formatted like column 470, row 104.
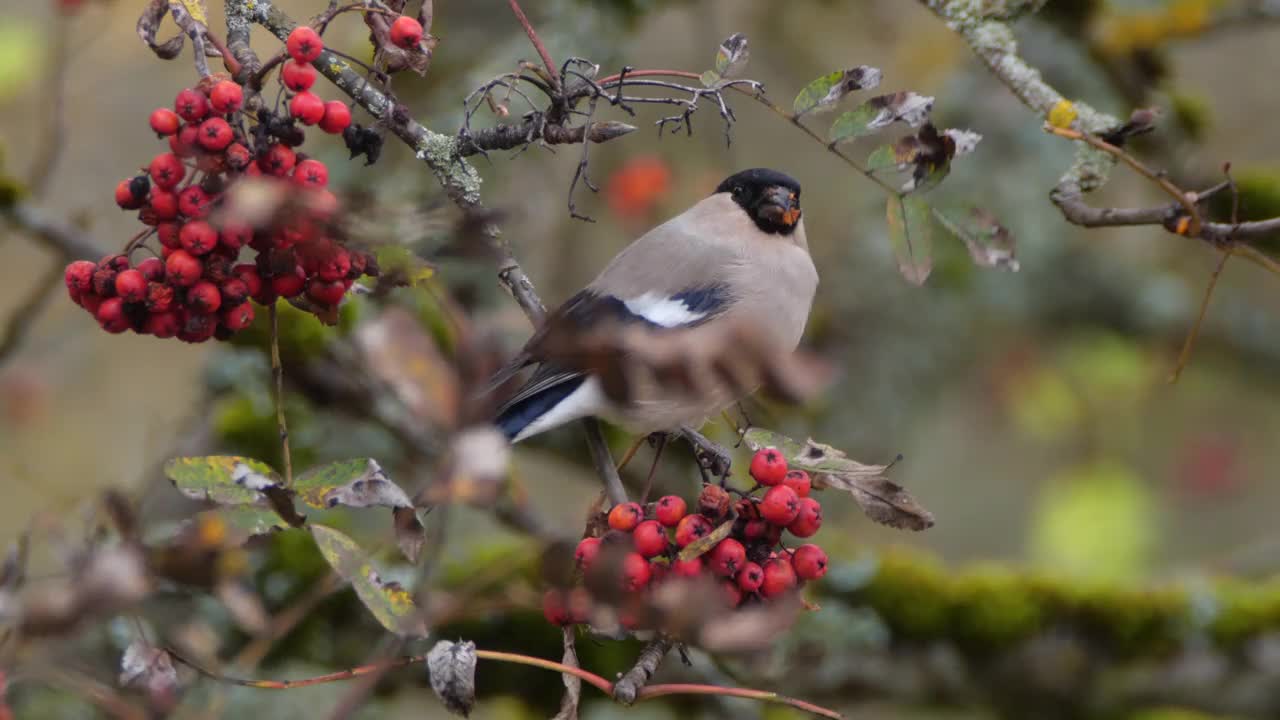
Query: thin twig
column 1184, row 356
column 1173, row 191
column 626, row 690
column 25, row 314
column 277, row 374
column 603, row 462
column 537, row 43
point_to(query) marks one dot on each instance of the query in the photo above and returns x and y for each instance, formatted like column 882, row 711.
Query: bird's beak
column 779, row 206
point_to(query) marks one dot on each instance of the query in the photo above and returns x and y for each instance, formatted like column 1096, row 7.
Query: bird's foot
column 713, row 458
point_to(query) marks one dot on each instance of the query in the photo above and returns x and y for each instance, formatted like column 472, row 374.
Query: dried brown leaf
column 452, row 667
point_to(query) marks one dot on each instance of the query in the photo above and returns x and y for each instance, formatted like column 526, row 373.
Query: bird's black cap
column 771, row 198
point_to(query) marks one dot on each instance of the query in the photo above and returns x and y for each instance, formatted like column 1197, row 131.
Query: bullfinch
column 738, row 256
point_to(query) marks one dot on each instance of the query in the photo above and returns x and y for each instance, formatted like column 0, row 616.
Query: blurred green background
column 1032, row 408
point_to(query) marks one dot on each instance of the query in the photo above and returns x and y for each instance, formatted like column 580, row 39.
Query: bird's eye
column 739, row 190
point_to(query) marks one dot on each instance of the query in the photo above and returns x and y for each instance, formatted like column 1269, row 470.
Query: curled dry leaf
column 149, row 26
column 390, row 603
column 148, row 668
column 357, row 483
column 732, row 55
column 990, row 244
column 572, row 683
column 879, row 112
column 882, row 500
column 452, row 669
column 823, row 93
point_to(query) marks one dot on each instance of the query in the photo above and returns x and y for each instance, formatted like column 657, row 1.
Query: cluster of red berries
column 197, row 289
column 751, row 564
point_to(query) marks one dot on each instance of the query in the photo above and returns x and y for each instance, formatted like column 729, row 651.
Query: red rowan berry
column 203, row 297
column 337, row 117
column 311, row 172
column 290, row 284
column 197, row 327
column 111, row 316
column 198, row 237
column 714, row 502
column 326, row 293
column 104, row 281
column 755, row 530
column 163, row 204
column 125, row 197
column 686, row 568
column 159, row 297
column 152, row 269
column 779, row 577
column 215, row 134
column 238, row 317
column 586, row 552
column 727, row 557
column 635, row 572
column 799, row 481
column 406, row 32
column 304, row 44
column 808, row 520
column 131, row 286
column 234, row 291
column 234, row 236
column 187, row 142
column 306, row 108
column 248, row 274
column 730, row 593
column 626, row 516
column 226, row 97
column 278, row 161
column 191, row 105
column 670, row 509
column 690, row 528
column 810, row 562
column 182, row 269
column 79, row 275
column 165, row 121
column 298, row 76
column 336, row 267
column 650, row 538
column 193, row 201
column 162, row 324
column 166, row 170
column 555, row 608
column 750, row 577
column 780, row 505
column 768, row 466
column 237, row 156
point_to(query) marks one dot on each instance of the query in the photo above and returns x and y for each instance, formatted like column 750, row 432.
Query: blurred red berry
column 278, row 161
column 159, row 297
column 727, row 557
column 79, row 275
column 586, row 552
column 166, row 170
column 131, row 286
column 779, row 577
column 125, row 197
column 808, row 519
column 635, row 572
column 237, row 156
column 111, row 316
column 193, row 201
column 686, row 568
column 191, row 105
column 187, row 142
column 326, row 293
column 182, row 269
column 226, row 97
column 650, row 538
column 198, row 237
column 636, row 188
column 298, row 76
column 307, row 108
column 799, row 481
column 690, row 528
column 555, row 608
column 162, row 324
column 215, row 134
column 238, row 317
column 750, row 577
column 312, row 173
column 152, row 269
column 203, row 297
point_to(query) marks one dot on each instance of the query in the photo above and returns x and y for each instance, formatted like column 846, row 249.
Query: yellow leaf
column 1062, row 114
column 193, row 7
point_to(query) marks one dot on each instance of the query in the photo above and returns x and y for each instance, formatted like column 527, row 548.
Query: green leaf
column 880, row 112
column 709, row 78
column 882, row 157
column 391, row 604
column 881, row 499
column 245, row 521
column 826, row 91
column 351, row 483
column 703, row 545
column 224, row 479
column 910, row 233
